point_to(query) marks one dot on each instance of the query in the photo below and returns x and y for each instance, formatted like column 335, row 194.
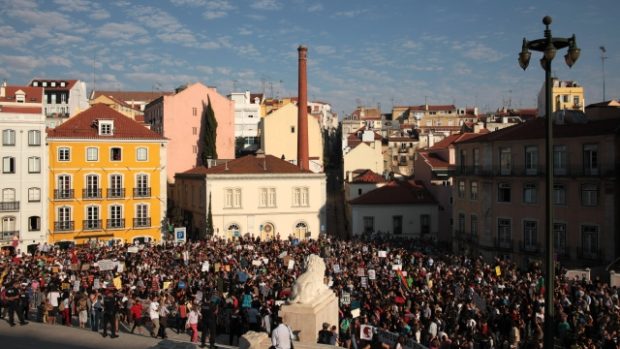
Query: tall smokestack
column 302, row 111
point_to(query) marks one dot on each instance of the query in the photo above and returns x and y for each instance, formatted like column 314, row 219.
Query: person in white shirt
column 282, row 336
column 154, row 315
column 192, row 322
column 53, row 297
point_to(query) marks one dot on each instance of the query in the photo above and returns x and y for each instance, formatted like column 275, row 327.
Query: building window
column 194, row 149
column 503, row 192
column 559, row 238
column 92, row 154
column 292, row 129
column 505, row 161
column 530, row 238
column 267, row 197
column 34, row 195
column 529, row 193
column 473, row 190
column 589, row 240
column 64, row 154
column 461, row 223
column 462, row 159
column 34, row 223
column 8, row 137
column 194, row 130
column 8, row 164
column 476, row 160
column 115, row 154
column 106, row 128
column 8, row 195
column 559, row 194
column 92, row 218
column 559, row 160
column 576, row 102
column 531, row 160
column 34, row 138
column 116, row 217
column 369, row 225
column 233, row 198
column 425, row 224
column 589, row 194
column 194, row 111
column 461, row 190
column 63, row 218
column 142, row 154
column 504, row 230
column 590, row 159
column 397, row 225
column 474, row 225
column 34, row 164
column 300, row 197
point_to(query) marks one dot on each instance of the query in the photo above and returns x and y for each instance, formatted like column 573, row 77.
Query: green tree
column 209, row 150
column 209, row 219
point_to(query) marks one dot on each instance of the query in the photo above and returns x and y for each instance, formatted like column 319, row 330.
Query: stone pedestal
column 306, row 320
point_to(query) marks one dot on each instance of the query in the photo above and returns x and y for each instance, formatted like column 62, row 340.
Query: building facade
column 137, row 100
column 63, row 99
column 260, row 195
column 565, row 94
column 106, row 179
column 247, row 119
column 23, row 186
column 499, row 192
column 181, row 119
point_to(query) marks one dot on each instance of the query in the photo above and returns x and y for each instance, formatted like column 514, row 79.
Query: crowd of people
column 406, row 288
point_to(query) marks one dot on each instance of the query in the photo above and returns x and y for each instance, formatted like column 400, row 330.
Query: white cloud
column 49, row 20
column 325, row 50
column 12, row 38
column 245, row 31
column 99, row 14
column 351, row 13
column 266, row 5
column 20, row 64
column 166, row 26
column 117, row 66
column 64, row 39
column 214, row 14
column 315, row 8
column 478, row 51
column 58, row 60
column 120, row 31
column 73, row 5
column 192, row 3
column 410, row 44
column 219, row 5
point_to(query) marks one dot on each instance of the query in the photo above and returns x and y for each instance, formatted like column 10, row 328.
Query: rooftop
column 396, row 192
column 368, row 176
column 251, row 164
column 32, row 94
column 128, row 96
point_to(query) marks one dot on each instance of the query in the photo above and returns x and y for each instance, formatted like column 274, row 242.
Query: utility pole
column 603, row 58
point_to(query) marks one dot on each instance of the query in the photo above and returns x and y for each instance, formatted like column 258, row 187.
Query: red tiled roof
column 396, row 193
column 139, row 118
column 535, row 129
column 455, row 138
column 82, row 126
column 68, row 84
column 32, row 94
column 21, row 110
column 369, row 114
column 128, row 96
column 432, row 107
column 434, row 161
column 250, row 164
column 368, row 176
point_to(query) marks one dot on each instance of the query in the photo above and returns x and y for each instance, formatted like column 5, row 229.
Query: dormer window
column 35, row 83
column 106, row 128
column 53, row 83
column 62, row 84
column 44, row 84
column 20, row 96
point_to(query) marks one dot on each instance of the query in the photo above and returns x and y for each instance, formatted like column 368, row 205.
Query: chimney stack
column 3, row 89
column 302, row 111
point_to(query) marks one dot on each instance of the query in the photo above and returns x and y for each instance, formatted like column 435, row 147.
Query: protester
column 282, row 336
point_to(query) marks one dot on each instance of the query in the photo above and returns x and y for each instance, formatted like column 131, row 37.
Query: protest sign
column 382, row 254
column 355, row 313
column 498, row 271
column 291, row 264
column 132, row 249
column 336, row 268
column 205, row 266
column 345, row 298
column 372, row 274
column 366, row 332
column 361, row 272
column 106, row 264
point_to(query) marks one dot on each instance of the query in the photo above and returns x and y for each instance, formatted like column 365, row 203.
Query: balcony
column 589, row 254
column 64, row 226
column 116, row 193
column 503, row 245
column 91, row 194
column 142, row 192
column 8, row 235
column 144, row 222
column 533, row 248
column 519, row 170
column 91, row 224
column 64, row 194
column 115, row 223
column 9, row 206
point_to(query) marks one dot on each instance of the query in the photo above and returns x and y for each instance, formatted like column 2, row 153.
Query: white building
column 399, row 208
column 23, row 178
column 247, row 118
column 327, row 119
column 62, row 99
column 260, row 195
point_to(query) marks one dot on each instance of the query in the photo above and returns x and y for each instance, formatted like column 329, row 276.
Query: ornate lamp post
column 549, row 46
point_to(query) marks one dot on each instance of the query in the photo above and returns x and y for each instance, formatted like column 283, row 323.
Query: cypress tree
column 210, row 136
column 209, row 219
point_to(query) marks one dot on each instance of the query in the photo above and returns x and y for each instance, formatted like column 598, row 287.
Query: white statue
column 310, row 285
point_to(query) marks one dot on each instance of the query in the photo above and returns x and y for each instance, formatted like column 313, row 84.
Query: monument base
column 306, row 320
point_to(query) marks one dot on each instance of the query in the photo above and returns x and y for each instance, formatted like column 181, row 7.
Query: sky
column 360, row 52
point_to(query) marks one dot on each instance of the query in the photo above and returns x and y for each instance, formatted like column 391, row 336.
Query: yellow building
column 118, row 105
column 106, row 178
column 565, row 94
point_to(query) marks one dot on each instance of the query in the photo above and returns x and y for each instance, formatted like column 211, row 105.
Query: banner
column 345, row 298
column 366, row 332
column 390, row 338
column 382, row 254
column 132, row 249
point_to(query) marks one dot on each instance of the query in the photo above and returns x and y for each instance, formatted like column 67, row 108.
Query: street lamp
column 549, row 46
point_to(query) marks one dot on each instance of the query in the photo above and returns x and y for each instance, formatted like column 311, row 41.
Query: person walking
column 109, row 314
column 209, row 311
column 154, row 315
column 192, row 323
column 97, row 313
column 282, row 336
column 163, row 317
column 12, row 297
column 136, row 314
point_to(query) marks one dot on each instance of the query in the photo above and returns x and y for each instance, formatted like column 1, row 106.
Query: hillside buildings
column 63, row 99
column 23, row 213
column 107, row 179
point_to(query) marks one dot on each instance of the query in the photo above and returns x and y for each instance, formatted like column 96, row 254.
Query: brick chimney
column 302, row 111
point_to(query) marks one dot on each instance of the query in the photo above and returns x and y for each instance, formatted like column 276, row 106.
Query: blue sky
column 400, row 52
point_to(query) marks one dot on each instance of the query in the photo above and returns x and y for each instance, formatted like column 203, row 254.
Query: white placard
column 265, row 261
column 283, row 254
column 205, row 266
column 366, row 332
column 257, row 262
column 336, row 268
column 397, row 267
column 355, row 313
column 345, row 298
column 382, row 254
column 291, row 264
column 371, row 274
column 106, row 264
column 120, row 267
column 132, row 249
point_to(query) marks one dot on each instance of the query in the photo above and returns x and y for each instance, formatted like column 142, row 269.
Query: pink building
column 499, row 191
column 180, row 118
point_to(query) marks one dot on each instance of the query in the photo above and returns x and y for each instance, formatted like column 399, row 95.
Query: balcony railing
column 142, row 222
column 8, row 235
column 116, row 193
column 115, row 223
column 503, row 244
column 9, row 206
column 64, row 226
column 91, row 224
column 530, row 247
column 519, row 170
column 64, row 194
column 142, row 192
column 91, row 193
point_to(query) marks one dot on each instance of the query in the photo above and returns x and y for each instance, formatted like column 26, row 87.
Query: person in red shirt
column 136, row 314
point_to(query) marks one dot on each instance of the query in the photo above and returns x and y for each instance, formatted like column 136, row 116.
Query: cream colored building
column 279, row 130
column 260, row 195
column 367, row 154
column 565, row 94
